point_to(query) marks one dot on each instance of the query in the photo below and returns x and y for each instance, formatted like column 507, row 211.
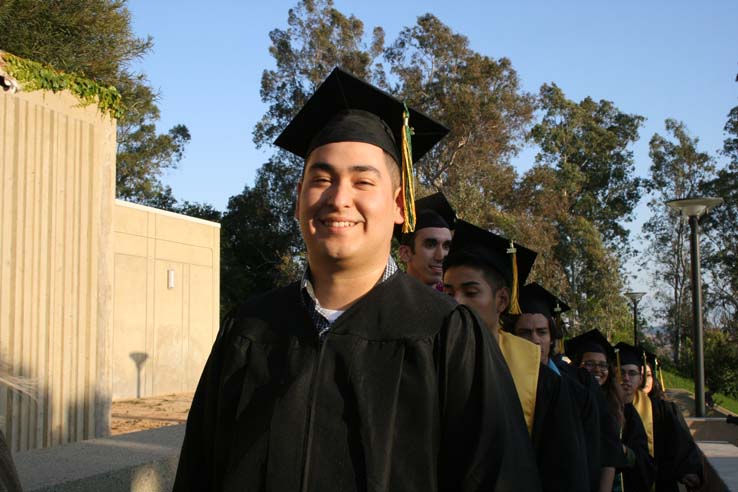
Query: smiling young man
column 356, row 378
column 423, row 251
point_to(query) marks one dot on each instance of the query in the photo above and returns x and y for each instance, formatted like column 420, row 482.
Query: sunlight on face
column 347, row 206
column 469, row 287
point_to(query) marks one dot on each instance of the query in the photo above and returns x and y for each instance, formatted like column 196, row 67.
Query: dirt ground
column 149, row 413
column 159, row 411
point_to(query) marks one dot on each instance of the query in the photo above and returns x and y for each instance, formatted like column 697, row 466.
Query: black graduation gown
column 585, row 402
column 641, row 475
column 556, row 436
column 405, row 392
column 675, row 451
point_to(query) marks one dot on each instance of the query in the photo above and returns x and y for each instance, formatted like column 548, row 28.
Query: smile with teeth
column 339, row 224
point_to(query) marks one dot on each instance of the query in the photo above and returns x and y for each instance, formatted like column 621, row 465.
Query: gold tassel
column 514, row 300
column 617, row 373
column 557, row 320
column 643, row 371
column 408, row 178
column 661, row 375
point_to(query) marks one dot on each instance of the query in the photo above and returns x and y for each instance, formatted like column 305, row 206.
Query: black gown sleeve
column 557, row 439
column 641, row 476
column 676, row 452
column 201, row 458
column 589, row 416
column 484, row 440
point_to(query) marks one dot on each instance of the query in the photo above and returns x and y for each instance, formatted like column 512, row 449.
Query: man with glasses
column 637, row 410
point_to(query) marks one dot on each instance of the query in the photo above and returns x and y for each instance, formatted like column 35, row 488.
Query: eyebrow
column 472, row 283
column 356, row 169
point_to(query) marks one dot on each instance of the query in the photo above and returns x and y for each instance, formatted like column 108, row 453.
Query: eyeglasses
column 629, row 374
column 591, row 365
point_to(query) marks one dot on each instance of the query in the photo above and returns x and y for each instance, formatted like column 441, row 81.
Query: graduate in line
column 483, row 271
column 540, row 323
column 678, row 459
column 423, row 250
column 635, row 468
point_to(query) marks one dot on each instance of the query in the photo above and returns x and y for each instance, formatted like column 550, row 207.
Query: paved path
column 685, row 400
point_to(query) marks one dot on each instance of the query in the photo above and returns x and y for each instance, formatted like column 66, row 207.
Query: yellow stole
column 642, row 404
column 523, row 359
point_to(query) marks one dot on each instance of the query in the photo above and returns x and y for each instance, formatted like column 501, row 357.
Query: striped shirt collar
column 318, row 314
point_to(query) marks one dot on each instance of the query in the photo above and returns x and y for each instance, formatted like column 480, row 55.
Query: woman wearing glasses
column 635, row 468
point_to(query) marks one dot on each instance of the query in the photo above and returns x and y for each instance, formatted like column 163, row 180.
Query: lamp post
column 693, row 209
column 634, row 298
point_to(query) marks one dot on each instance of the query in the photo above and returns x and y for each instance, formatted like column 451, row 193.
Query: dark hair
column 490, row 273
column 614, row 395
column 656, row 390
column 408, row 240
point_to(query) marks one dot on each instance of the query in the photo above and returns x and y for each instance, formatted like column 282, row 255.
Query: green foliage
column 678, row 170
column 93, row 39
column 480, row 99
column 588, row 142
column 722, row 257
column 721, row 362
column 36, row 76
column 260, row 241
column 582, row 189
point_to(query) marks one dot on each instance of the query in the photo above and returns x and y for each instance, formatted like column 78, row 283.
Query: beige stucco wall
column 164, row 330
column 57, row 183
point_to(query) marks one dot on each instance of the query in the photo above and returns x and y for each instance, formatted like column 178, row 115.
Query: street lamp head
column 635, row 296
column 694, row 207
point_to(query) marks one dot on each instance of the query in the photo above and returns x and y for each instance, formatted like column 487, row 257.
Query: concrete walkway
column 685, row 401
column 137, row 462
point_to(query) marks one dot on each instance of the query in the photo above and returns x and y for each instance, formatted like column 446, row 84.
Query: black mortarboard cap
column 534, row 298
column 438, row 212
column 511, row 260
column 591, row 341
column 630, row 354
column 344, row 108
column 432, row 211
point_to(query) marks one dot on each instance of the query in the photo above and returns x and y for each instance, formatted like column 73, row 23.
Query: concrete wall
column 57, row 183
column 162, row 331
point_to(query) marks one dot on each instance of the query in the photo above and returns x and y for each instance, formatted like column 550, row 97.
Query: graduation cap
column 431, row 211
column 344, row 108
column 591, row 341
column 535, row 299
column 630, row 354
column 511, row 260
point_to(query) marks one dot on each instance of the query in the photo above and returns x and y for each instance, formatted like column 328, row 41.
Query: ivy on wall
column 37, row 76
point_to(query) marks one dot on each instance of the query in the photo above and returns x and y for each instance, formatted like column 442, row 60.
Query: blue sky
column 658, row 59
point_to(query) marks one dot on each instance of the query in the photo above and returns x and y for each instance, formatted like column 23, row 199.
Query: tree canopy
column 93, row 38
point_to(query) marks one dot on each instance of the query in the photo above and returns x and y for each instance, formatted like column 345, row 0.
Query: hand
column 691, row 481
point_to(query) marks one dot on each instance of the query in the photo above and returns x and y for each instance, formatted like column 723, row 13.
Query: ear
column 297, row 203
column 399, row 212
column 405, row 253
column 502, row 299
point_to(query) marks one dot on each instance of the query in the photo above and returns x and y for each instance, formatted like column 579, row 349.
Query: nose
column 438, row 253
column 340, row 194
